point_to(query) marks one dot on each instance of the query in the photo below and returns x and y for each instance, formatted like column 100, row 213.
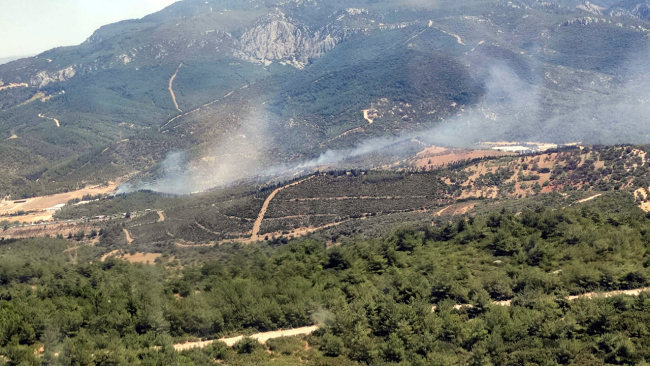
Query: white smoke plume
column 513, row 109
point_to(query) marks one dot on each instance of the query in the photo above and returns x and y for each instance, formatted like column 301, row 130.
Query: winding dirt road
column 261, row 337
column 171, row 89
column 258, row 223
column 56, row 121
column 161, row 216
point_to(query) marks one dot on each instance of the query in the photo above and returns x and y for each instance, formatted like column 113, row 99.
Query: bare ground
column 129, row 239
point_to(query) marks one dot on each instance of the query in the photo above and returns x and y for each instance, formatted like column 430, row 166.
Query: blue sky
column 29, row 27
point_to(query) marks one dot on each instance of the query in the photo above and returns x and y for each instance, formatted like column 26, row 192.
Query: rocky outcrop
column 44, row 78
column 639, row 11
column 590, row 8
column 280, row 38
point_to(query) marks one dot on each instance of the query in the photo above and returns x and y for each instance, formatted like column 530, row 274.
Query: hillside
column 238, row 84
column 506, row 287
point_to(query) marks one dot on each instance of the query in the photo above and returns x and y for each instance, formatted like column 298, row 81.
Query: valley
column 349, row 183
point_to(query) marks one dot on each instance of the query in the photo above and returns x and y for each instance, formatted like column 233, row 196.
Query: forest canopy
column 371, row 297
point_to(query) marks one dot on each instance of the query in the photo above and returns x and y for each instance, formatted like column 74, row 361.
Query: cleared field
column 147, row 258
column 436, row 156
column 40, row 204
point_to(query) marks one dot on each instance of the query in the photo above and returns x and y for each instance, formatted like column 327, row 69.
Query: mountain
column 240, row 85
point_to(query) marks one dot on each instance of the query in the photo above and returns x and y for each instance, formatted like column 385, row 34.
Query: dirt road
column 161, row 216
column 56, row 121
column 129, row 239
column 588, row 295
column 260, row 337
column 589, row 198
column 171, row 89
column 258, row 223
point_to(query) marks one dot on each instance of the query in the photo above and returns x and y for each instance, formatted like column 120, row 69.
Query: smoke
column 522, row 102
column 421, row 4
column 238, row 154
column 322, row 316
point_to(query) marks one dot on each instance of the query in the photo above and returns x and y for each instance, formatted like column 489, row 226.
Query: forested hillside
column 372, row 298
column 234, row 84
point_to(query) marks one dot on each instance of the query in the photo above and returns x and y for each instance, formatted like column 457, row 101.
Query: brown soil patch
column 129, row 239
column 645, row 206
column 147, row 258
column 161, row 216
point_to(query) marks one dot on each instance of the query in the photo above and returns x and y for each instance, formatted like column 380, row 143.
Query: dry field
column 147, row 258
column 437, row 156
column 39, row 205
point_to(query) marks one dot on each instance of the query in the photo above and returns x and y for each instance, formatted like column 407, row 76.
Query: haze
column 29, row 27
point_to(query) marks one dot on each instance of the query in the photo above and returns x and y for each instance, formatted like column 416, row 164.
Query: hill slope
column 241, row 84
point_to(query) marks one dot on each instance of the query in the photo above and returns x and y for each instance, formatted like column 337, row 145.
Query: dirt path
column 589, row 198
column 458, row 39
column 56, row 121
column 260, row 337
column 171, row 89
column 11, row 86
column 129, row 239
column 161, row 216
column 258, row 223
column 588, row 295
column 162, row 128
column 439, row 213
column 205, row 229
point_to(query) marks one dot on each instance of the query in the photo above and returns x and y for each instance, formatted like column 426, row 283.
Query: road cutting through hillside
column 161, row 216
column 258, row 223
column 260, row 337
column 589, row 198
column 171, row 89
column 162, row 128
column 56, row 121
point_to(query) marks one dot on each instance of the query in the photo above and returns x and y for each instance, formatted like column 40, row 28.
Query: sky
column 29, row 27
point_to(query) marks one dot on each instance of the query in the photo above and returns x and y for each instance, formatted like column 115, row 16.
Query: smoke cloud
column 421, row 4
column 554, row 105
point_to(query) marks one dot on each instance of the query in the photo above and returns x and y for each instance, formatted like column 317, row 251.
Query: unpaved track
column 129, row 239
column 161, row 216
column 258, row 223
column 589, row 198
column 171, row 89
column 439, row 213
column 56, row 121
column 588, row 295
column 260, row 337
